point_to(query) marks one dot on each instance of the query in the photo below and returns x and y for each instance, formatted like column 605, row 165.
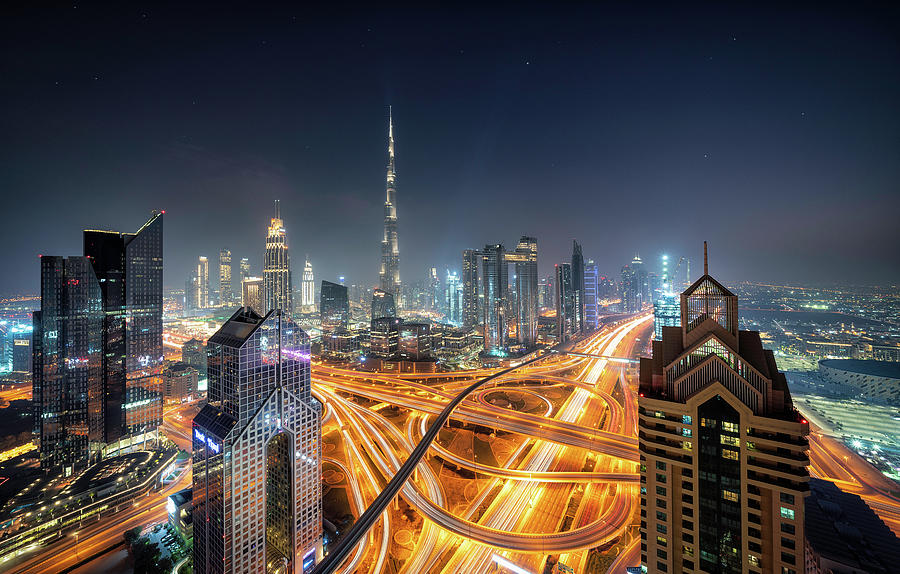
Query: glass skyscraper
column 471, row 302
column 577, row 288
column 591, row 298
column 277, row 268
column 334, row 307
column 526, row 260
column 495, row 286
column 257, row 451
column 382, row 305
column 565, row 302
column 226, row 295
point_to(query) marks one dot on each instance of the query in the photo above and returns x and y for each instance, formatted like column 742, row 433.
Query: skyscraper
column 202, row 282
column 453, row 298
column 253, row 293
column 565, row 302
column 277, row 269
column 471, row 311
column 67, row 376
column 666, row 311
column 495, row 286
column 723, row 453
column 634, row 286
column 308, row 288
column 226, row 295
column 390, row 249
column 257, row 451
column 334, row 307
column 245, row 268
column 591, row 299
column 577, row 288
column 526, row 260
column 383, row 305
column 129, row 267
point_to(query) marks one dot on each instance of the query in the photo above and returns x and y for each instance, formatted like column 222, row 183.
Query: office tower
column 308, row 288
column 634, row 286
column 383, row 305
column 277, row 269
column 666, row 310
column 565, row 302
column 202, row 282
column 723, row 453
column 591, row 299
column 415, row 341
column 577, row 288
column 526, row 281
column 390, row 249
column 334, row 307
column 253, row 293
column 191, row 293
column 257, row 451
column 471, row 313
column 432, row 290
column 21, row 350
column 245, row 268
column 453, row 300
column 129, row 267
column 179, row 382
column 226, row 296
column 193, row 353
column 384, row 337
column 495, row 286
column 67, row 377
column 545, row 291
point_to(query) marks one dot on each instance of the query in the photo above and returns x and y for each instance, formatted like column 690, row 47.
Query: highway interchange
column 569, row 485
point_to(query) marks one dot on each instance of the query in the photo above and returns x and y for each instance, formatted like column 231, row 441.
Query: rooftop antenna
column 277, row 209
column 705, row 260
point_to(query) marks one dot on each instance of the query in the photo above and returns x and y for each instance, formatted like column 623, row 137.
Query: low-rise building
column 179, row 382
column 874, row 380
column 179, row 507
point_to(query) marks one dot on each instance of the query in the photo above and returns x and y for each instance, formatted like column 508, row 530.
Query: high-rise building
column 21, row 351
column 723, row 453
column 471, row 301
column 67, row 377
column 257, row 460
column 334, row 307
column 415, row 341
column 545, row 292
column 308, row 288
column 202, row 282
column 226, row 295
column 635, row 289
column 453, row 298
column 277, row 269
column 591, row 299
column 577, row 288
column 666, row 310
column 432, row 290
column 129, row 267
column 495, row 286
column 526, row 260
column 390, row 248
column 253, row 293
column 565, row 302
column 383, row 305
column 245, row 268
column 384, row 337
column 193, row 353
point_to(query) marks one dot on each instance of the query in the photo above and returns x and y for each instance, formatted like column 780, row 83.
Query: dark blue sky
column 772, row 133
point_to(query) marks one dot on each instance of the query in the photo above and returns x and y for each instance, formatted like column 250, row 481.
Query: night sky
column 771, row 133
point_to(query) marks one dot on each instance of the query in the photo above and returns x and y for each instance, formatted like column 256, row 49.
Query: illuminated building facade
column 634, row 286
column 591, row 298
column 334, row 307
column 577, row 289
column 382, row 305
column 245, row 268
column 415, row 341
column 526, row 268
column 453, row 298
column 390, row 249
column 129, row 267
column 384, row 337
column 277, row 268
column 723, row 453
column 471, row 301
column 308, row 289
column 226, row 295
column 495, row 286
column 565, row 302
column 202, row 282
column 67, row 380
column 257, row 490
column 253, row 293
column 21, row 350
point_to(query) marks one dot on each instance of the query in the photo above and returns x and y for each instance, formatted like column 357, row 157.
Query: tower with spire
column 390, row 250
column 277, row 267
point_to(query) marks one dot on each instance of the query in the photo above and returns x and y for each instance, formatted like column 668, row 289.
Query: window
column 730, row 495
column 643, row 467
column 661, row 566
column 787, row 498
column 789, row 558
column 753, row 560
column 661, row 540
column 660, row 465
column 730, row 440
column 730, row 454
column 686, row 431
column 660, row 491
column 661, row 528
column 686, row 419
column 661, row 515
column 787, row 528
column 751, row 445
column 788, row 543
column 687, row 550
column 643, row 490
column 786, row 570
column 660, row 478
column 709, row 423
column 659, row 414
column 787, row 513
column 660, row 503
column 661, row 553
column 730, row 427
column 686, row 445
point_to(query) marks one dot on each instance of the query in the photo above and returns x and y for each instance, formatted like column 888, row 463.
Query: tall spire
column 390, row 250
column 277, row 209
column 705, row 260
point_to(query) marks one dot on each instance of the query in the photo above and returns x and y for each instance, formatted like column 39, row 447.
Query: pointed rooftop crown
column 708, row 300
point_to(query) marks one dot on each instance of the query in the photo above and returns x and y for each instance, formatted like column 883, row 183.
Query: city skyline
column 736, row 123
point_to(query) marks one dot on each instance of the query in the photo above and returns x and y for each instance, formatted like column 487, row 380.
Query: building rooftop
column 183, row 496
column 842, row 528
column 887, row 369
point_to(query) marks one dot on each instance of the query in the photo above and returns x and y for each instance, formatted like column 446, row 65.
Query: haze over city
column 604, row 123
